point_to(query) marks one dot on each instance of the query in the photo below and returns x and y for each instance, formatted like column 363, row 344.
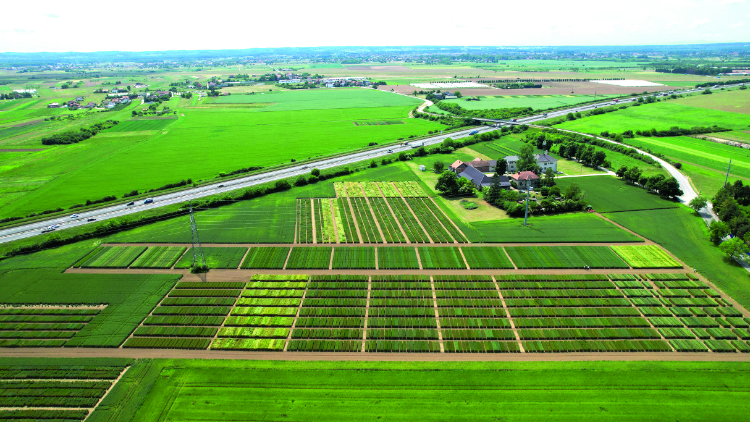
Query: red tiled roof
column 524, row 175
column 457, row 164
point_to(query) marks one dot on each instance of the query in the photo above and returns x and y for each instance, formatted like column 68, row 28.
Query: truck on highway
column 416, row 144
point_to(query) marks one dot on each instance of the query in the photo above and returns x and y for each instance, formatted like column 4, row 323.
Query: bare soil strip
column 468, row 267
column 243, row 258
column 359, row 356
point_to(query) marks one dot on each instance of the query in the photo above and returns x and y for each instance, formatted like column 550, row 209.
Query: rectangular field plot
column 345, row 225
column 430, row 222
column 324, row 222
column 564, row 257
column 159, row 257
column 54, row 392
column 410, row 189
column 188, row 318
column 365, row 221
column 310, row 258
column 410, row 225
column 215, row 257
column 486, row 257
column 266, row 258
column 354, row 258
column 112, row 257
column 387, row 222
column 43, row 326
column 441, row 258
column 304, row 221
column 397, row 258
column 645, row 256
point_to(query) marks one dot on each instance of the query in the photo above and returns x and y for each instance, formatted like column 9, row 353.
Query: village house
column 525, row 179
column 544, row 161
column 479, row 179
column 53, row 105
column 458, row 167
column 485, row 166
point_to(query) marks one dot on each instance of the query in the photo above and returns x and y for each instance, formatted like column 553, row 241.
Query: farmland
column 320, row 100
column 609, row 194
column 536, row 102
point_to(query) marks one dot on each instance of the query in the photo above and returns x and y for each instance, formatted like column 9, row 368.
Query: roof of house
column 457, row 164
column 483, row 163
column 476, row 176
column 545, row 158
column 524, row 175
column 510, row 158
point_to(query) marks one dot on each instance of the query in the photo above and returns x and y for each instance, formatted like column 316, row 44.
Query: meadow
column 520, row 391
column 537, row 102
column 610, row 194
column 734, row 101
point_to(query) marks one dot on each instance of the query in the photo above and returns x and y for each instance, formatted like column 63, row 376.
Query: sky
column 137, row 25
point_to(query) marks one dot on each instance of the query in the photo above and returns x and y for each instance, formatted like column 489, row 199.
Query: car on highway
column 54, row 226
column 514, row 120
column 148, row 201
column 130, row 203
column 220, row 186
column 473, row 132
column 74, row 216
column 47, row 230
column 91, row 219
column 390, row 151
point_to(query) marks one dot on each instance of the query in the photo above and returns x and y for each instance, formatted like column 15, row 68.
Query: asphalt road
column 35, row 229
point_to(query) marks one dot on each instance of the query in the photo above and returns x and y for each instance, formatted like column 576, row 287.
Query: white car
column 74, row 216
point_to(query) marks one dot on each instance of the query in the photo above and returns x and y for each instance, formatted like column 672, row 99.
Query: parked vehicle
column 514, row 120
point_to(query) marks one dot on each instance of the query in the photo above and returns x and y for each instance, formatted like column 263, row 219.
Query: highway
column 35, row 229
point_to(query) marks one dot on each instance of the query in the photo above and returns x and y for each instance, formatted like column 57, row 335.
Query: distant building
column 290, row 81
column 544, row 161
column 53, row 105
column 422, row 167
column 485, row 166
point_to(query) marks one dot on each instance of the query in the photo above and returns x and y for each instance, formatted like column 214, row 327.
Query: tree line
column 73, row 136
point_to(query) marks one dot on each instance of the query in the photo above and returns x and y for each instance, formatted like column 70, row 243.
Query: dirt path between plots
column 372, row 357
column 381, row 245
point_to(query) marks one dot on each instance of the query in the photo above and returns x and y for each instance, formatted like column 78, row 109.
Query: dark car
column 130, row 203
column 91, row 219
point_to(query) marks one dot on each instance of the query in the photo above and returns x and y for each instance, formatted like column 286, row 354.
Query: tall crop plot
column 40, row 327
column 215, row 257
column 354, row 258
column 159, row 257
column 266, row 258
column 397, row 258
column 304, row 221
column 332, row 315
column 353, row 190
column 340, row 189
column 389, row 191
column 482, row 257
column 324, row 229
column 564, row 257
column 309, row 258
column 371, row 189
column 263, row 315
column 188, row 318
column 55, row 392
column 447, row 223
column 441, row 258
column 401, row 315
column 429, row 221
column 646, row 256
column 410, row 189
column 365, row 221
column 414, row 232
column 347, row 230
column 387, row 221
column 114, row 257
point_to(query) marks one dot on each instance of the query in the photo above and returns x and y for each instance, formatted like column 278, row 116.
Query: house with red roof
column 525, row 179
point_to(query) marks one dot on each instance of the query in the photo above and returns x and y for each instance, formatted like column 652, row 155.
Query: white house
column 544, row 161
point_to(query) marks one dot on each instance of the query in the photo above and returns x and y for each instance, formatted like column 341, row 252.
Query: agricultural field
column 159, row 257
column 734, row 101
column 320, row 100
column 266, row 258
column 645, row 256
column 536, row 102
column 215, row 257
column 112, row 257
column 565, row 257
column 137, row 125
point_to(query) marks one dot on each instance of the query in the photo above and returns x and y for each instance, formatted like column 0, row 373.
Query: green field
column 167, row 390
column 129, row 298
column 113, row 257
column 159, row 257
column 215, row 257
column 136, row 125
column 555, row 229
column 320, row 99
column 537, row 102
column 564, row 257
column 610, row 194
column 735, row 101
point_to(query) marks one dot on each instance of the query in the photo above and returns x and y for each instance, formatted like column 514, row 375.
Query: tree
column 549, row 177
column 717, row 231
column 621, row 171
column 373, row 164
column 706, row 91
column 573, row 192
column 599, row 158
column 698, row 203
column 555, row 191
column 448, row 144
column 447, row 183
column 301, row 181
column 633, row 175
column 735, row 248
column 438, row 166
column 493, row 192
column 402, row 156
column 526, row 160
column 501, row 167
column 458, row 94
column 669, row 188
column 315, row 172
column 466, row 186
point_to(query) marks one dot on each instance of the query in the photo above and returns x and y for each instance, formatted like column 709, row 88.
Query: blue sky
column 42, row 25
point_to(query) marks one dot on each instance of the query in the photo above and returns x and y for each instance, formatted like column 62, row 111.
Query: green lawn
column 193, row 390
column 319, row 99
column 129, row 298
column 683, row 233
column 554, row 229
column 608, row 194
column 537, row 102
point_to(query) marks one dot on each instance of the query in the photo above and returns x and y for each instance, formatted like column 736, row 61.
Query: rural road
column 35, row 229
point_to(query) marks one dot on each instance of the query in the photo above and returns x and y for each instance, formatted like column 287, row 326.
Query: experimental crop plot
column 310, row 258
column 564, row 257
column 43, row 325
column 645, row 256
column 397, row 258
column 354, row 258
column 159, row 257
column 486, row 257
column 112, row 257
column 441, row 258
column 266, row 258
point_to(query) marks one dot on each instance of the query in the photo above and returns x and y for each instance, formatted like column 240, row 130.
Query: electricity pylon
column 197, row 252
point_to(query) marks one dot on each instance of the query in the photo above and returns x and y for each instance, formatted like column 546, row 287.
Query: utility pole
column 726, row 179
column 197, row 252
column 526, row 216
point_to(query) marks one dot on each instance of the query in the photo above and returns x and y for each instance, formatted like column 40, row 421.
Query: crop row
column 388, row 190
column 248, row 344
column 414, row 233
column 324, row 346
column 277, row 284
column 48, row 311
column 596, row 333
column 32, row 343
column 586, row 322
column 22, row 326
column 324, row 229
column 368, row 231
column 566, row 303
column 184, row 320
column 402, row 334
column 441, row 258
column 329, row 312
column 113, row 257
column 255, row 332
column 447, row 223
column 345, row 226
column 397, row 258
column 371, row 189
column 203, row 293
column 331, row 322
column 37, row 334
column 573, row 312
column 59, row 372
column 304, row 221
column 312, row 258
column 198, row 301
column 429, row 221
column 277, row 293
column 45, row 318
column 258, row 321
column 486, row 334
column 403, row 346
column 486, row 257
column 266, row 258
column 564, row 257
column 73, row 402
column 484, row 323
column 327, row 333
column 387, row 221
column 159, row 257
column 264, row 311
column 354, row 258
column 541, row 285
column 410, row 189
column 262, row 301
column 567, row 293
column 191, row 310
column 156, row 331
column 596, row 346
column 481, row 347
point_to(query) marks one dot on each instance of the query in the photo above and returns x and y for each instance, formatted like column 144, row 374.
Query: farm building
column 485, row 166
column 525, row 179
column 458, row 167
column 544, row 161
column 53, row 105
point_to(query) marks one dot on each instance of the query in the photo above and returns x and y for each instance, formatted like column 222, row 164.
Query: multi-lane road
column 82, row 218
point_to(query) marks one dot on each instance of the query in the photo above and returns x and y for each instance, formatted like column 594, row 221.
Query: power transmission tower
column 197, row 252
